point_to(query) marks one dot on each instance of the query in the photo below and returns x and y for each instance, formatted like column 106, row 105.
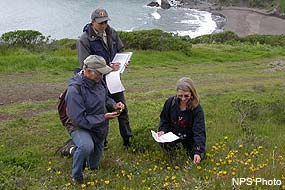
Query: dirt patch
column 25, row 87
column 276, row 66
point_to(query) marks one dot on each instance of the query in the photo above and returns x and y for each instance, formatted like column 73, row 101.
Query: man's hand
column 119, row 106
column 111, row 115
column 115, row 66
column 127, row 64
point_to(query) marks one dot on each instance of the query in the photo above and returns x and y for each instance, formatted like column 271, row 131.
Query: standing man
column 99, row 38
column 86, row 106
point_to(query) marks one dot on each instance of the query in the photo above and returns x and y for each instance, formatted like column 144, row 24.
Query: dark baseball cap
column 100, row 15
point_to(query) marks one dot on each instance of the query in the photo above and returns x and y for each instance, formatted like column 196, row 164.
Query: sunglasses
column 185, row 96
column 105, row 22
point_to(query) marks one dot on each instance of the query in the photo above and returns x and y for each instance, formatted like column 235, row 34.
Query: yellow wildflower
column 91, row 183
column 83, row 186
column 67, row 184
column 107, row 182
column 165, row 184
column 176, row 167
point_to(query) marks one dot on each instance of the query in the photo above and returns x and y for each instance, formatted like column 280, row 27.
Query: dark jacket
column 86, row 107
column 189, row 123
column 92, row 44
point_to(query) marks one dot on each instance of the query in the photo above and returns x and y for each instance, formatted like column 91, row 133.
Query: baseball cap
column 100, row 15
column 96, row 63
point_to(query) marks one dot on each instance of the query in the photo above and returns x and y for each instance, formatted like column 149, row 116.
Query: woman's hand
column 159, row 133
column 197, row 159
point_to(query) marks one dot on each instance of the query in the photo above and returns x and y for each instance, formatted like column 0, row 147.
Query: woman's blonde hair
column 186, row 84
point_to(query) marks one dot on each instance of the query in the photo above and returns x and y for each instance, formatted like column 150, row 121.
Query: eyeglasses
column 181, row 96
column 105, row 22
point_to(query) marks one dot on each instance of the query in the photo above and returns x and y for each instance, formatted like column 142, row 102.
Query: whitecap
column 155, row 15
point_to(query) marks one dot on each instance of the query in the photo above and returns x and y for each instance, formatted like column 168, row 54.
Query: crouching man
column 87, row 104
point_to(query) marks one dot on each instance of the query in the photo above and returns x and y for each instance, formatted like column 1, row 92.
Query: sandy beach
column 245, row 21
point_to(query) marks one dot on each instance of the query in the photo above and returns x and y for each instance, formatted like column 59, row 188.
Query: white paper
column 114, row 83
column 167, row 137
column 122, row 58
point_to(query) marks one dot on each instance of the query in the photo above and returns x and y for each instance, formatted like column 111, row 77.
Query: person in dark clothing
column 183, row 115
column 99, row 38
column 86, row 106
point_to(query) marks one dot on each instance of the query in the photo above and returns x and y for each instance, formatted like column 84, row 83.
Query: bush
column 63, row 43
column 155, row 40
column 222, row 37
column 273, row 40
column 24, row 38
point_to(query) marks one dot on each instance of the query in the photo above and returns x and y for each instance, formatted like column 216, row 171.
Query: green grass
column 222, row 74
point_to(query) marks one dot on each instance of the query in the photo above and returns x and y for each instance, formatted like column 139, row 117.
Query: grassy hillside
column 242, row 91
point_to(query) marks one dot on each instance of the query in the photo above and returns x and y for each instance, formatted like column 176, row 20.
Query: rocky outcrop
column 164, row 4
column 153, row 4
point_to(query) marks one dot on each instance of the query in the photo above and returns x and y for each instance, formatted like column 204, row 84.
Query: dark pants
column 171, row 147
column 123, row 118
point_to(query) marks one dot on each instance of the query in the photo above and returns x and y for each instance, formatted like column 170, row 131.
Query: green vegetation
column 242, row 90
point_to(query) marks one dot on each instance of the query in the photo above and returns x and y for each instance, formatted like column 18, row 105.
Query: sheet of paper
column 114, row 83
column 167, row 137
column 122, row 58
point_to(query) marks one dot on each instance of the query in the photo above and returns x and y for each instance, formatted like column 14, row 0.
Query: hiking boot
column 105, row 144
column 67, row 149
column 126, row 142
column 77, row 181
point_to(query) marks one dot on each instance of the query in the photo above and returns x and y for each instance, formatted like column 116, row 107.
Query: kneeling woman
column 183, row 115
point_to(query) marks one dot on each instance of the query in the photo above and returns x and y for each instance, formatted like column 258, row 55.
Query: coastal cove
column 65, row 19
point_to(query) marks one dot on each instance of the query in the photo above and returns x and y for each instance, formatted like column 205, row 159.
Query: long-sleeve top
column 189, row 123
column 90, row 43
column 86, row 107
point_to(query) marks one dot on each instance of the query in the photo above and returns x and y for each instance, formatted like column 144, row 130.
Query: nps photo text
column 256, row 181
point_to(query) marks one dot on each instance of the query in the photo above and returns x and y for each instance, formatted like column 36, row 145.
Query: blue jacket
column 189, row 122
column 92, row 44
column 86, row 107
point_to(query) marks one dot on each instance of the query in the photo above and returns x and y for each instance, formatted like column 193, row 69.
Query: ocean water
column 66, row 18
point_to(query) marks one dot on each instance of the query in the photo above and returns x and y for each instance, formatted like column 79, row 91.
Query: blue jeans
column 87, row 151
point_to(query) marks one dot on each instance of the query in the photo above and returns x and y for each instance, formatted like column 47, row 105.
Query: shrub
column 221, row 37
column 63, row 43
column 273, row 40
column 155, row 40
column 24, row 38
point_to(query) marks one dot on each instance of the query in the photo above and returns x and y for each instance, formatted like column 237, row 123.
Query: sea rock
column 165, row 4
column 153, row 4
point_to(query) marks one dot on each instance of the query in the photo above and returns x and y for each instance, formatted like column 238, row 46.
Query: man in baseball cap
column 100, row 15
column 96, row 63
column 99, row 38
